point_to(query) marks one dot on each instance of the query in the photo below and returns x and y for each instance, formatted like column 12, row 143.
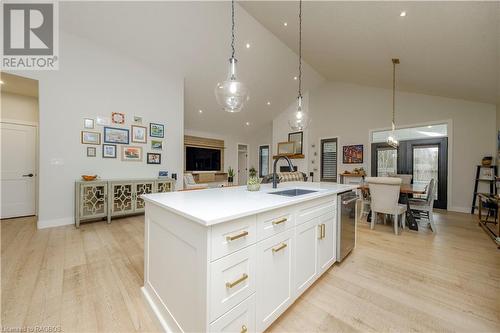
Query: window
column 412, row 133
column 329, row 160
column 263, row 161
column 387, row 162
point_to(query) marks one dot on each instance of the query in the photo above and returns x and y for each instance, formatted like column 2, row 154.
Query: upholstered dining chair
column 423, row 208
column 384, row 193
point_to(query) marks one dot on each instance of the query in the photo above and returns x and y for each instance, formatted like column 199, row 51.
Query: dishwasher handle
column 346, row 202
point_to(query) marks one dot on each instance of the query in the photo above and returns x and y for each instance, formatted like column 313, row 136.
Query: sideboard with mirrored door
column 101, row 199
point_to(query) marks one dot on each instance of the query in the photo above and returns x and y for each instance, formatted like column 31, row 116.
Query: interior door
column 242, row 167
column 18, row 170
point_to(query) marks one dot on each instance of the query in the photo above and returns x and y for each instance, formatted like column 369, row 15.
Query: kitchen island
column 230, row 260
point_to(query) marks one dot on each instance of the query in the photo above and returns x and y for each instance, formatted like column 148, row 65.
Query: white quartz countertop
column 217, row 205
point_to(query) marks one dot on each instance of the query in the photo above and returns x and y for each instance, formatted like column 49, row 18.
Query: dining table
column 405, row 190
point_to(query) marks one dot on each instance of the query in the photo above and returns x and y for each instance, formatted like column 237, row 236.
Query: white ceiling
column 193, row 39
column 446, row 48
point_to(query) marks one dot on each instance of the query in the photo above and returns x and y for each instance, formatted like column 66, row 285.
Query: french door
column 424, row 159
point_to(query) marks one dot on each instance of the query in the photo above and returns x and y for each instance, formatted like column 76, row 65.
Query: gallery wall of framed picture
column 124, row 138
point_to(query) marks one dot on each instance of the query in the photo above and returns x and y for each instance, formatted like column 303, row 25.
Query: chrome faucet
column 290, row 165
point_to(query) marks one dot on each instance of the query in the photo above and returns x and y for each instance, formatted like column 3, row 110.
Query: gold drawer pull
column 279, row 248
column 280, row 221
column 234, row 283
column 244, row 329
column 322, row 232
column 232, row 238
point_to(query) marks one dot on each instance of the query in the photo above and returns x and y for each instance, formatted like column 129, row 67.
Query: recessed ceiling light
column 268, row 103
column 248, row 45
column 403, row 13
column 285, row 24
column 200, row 111
column 1, row 82
column 429, row 126
column 247, row 123
column 295, row 78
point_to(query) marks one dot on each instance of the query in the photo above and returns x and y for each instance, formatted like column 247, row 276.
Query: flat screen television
column 202, row 159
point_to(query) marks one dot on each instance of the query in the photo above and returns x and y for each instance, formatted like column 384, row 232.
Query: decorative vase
column 487, row 161
column 253, row 187
column 229, row 179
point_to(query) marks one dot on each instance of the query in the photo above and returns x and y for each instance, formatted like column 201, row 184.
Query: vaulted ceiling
column 448, row 48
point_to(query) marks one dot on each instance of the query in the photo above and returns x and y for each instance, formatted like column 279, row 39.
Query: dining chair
column 423, row 208
column 405, row 179
column 384, row 193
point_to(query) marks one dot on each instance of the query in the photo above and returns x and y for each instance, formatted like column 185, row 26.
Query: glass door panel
column 426, row 165
column 387, row 161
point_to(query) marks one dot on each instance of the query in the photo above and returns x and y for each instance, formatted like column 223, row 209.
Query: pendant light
column 231, row 94
column 299, row 119
column 391, row 140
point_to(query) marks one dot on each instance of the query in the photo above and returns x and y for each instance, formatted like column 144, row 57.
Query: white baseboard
column 459, row 209
column 42, row 224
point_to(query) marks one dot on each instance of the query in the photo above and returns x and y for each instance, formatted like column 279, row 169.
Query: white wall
column 349, row 112
column 92, row 81
column 19, row 108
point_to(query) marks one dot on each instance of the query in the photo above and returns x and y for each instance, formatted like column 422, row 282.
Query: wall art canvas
column 130, row 153
column 118, row 117
column 91, row 152
column 116, row 135
column 102, row 121
column 139, row 134
column 154, row 158
column 157, row 144
column 156, row 130
column 88, row 123
column 91, row 138
column 109, row 151
column 138, row 119
column 352, row 154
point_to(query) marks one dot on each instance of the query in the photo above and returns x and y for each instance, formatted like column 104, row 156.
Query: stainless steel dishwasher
column 346, row 225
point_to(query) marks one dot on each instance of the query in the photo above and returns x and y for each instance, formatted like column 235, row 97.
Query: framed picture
column 102, row 121
column 139, row 134
column 91, row 152
column 108, row 151
column 116, row 135
column 297, row 138
column 156, row 130
column 157, row 144
column 88, row 123
column 91, row 138
column 138, row 119
column 118, row 117
column 130, row 153
column 286, row 148
column 352, row 154
column 154, row 158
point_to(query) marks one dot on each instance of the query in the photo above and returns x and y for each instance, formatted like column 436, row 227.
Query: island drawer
column 239, row 319
column 232, row 236
column 275, row 221
column 232, row 280
column 315, row 209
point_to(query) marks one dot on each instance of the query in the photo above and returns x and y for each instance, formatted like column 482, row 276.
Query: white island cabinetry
column 236, row 270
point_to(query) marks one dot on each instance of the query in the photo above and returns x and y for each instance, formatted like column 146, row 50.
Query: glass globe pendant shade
column 231, row 94
column 391, row 140
column 299, row 120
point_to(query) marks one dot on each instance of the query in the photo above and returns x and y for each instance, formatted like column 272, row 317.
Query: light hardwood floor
column 88, row 280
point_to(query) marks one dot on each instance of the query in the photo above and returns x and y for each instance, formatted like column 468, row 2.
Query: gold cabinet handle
column 244, row 329
column 279, row 248
column 234, row 283
column 322, row 231
column 276, row 222
column 235, row 237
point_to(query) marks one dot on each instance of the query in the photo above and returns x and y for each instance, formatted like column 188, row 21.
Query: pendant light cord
column 393, row 94
column 300, row 49
column 232, row 28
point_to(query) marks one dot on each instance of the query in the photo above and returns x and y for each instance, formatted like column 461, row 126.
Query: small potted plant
column 253, row 182
column 230, row 175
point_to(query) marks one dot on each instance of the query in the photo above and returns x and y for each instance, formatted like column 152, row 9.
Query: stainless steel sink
column 293, row 192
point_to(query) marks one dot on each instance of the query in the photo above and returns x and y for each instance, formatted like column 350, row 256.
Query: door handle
column 28, row 175
column 346, row 202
